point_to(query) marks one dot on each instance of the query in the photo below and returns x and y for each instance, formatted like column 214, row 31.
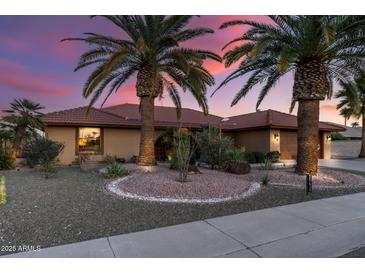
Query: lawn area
column 74, row 206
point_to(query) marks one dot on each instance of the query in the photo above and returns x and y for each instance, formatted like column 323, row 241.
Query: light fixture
column 328, row 138
column 276, row 136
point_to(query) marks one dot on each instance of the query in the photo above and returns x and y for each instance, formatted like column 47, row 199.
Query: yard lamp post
column 308, row 184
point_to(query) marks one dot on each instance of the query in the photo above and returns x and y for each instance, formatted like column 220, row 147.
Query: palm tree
column 346, row 113
column 24, row 115
column 315, row 49
column 352, row 95
column 153, row 50
column 355, row 124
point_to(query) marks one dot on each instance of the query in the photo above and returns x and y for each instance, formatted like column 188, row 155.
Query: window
column 89, row 139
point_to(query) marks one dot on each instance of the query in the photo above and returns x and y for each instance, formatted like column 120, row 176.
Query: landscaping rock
column 238, row 168
column 192, row 169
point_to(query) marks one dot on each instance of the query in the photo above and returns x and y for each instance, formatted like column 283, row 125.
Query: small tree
column 43, row 152
column 185, row 147
column 212, row 146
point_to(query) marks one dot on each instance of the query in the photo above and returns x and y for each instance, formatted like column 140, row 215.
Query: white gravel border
column 113, row 187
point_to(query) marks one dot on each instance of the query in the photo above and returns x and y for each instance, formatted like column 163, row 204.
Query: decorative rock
column 192, row 169
column 238, row 168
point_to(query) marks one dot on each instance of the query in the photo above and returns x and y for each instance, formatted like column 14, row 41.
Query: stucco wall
column 327, row 151
column 116, row 141
column 257, row 140
column 66, row 136
column 123, row 142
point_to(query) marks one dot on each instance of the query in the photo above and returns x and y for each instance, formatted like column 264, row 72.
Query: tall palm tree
column 24, row 115
column 315, row 49
column 352, row 99
column 153, row 51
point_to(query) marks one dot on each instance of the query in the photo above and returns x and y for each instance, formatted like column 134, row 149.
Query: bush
column 336, row 136
column 6, row 161
column 184, row 149
column 274, row 156
column 212, row 147
column 109, row 159
column 115, row 170
column 255, row 157
column 43, row 152
column 235, row 154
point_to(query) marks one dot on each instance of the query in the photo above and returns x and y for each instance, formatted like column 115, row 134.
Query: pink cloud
column 19, row 77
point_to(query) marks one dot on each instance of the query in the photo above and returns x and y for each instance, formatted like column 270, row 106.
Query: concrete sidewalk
column 321, row 228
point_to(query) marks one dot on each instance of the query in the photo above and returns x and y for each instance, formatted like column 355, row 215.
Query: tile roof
column 271, row 119
column 127, row 115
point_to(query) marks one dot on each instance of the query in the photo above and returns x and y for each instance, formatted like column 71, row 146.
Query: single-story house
column 115, row 130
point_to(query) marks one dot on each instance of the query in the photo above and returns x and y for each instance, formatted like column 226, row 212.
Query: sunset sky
column 34, row 64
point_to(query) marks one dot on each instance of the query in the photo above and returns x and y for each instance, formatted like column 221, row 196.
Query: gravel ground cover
column 163, row 183
column 325, row 178
column 74, row 206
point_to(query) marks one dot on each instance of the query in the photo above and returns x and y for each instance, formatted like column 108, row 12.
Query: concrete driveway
column 320, row 228
column 350, row 165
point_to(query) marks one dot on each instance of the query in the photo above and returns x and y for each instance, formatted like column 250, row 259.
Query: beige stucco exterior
column 120, row 142
column 326, row 139
column 66, row 136
column 124, row 143
column 253, row 140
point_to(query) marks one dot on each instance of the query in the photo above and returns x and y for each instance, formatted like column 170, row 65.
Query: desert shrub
column 274, row 156
column 265, row 179
column 336, row 136
column 255, row 157
column 235, row 154
column 266, row 167
column 3, row 195
column 43, row 152
column 109, row 159
column 115, row 170
column 212, row 147
column 6, row 161
column 184, row 146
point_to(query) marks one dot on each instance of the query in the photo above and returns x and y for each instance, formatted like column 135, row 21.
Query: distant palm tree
column 355, row 124
column 153, row 51
column 352, row 95
column 24, row 115
column 315, row 49
column 346, row 114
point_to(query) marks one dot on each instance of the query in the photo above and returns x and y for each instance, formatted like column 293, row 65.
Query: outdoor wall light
column 328, row 138
column 276, row 137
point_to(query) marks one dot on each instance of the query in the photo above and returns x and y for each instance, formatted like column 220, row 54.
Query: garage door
column 288, row 145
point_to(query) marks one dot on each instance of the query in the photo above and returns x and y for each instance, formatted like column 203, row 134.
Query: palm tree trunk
column 19, row 135
column 362, row 151
column 308, row 130
column 147, row 141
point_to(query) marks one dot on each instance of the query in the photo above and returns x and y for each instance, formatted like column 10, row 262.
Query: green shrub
column 212, row 147
column 255, row 157
column 6, row 161
column 274, row 156
column 336, row 136
column 115, row 170
column 265, row 179
column 43, row 152
column 109, row 159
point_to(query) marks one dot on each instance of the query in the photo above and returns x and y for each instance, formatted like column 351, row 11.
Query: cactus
column 3, row 197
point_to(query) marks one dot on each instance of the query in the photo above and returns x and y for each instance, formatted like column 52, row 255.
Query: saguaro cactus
column 2, row 191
